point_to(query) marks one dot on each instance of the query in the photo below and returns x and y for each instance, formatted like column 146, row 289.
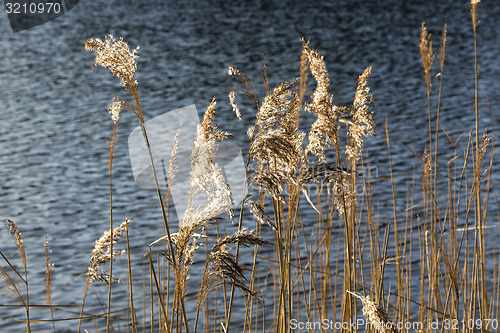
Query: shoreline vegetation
column 300, row 276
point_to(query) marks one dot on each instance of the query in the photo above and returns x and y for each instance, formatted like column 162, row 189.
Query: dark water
column 54, row 124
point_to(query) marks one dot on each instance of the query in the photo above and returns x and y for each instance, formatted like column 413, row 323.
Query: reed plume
column 478, row 174
column 115, row 107
column 232, row 102
column 18, row 240
column 117, row 56
column 363, row 122
column 278, row 142
column 324, row 130
column 207, row 179
column 427, row 54
column 102, row 254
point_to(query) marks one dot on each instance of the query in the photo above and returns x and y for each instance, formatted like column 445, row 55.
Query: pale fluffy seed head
column 321, row 98
column 114, row 109
column 323, row 132
column 102, row 253
column 115, row 55
column 277, row 138
column 172, row 169
column 483, row 147
column 232, row 102
column 274, row 107
column 16, row 235
column 259, row 213
column 209, row 127
column 231, row 70
column 427, row 54
column 479, row 159
column 207, row 178
column 363, row 122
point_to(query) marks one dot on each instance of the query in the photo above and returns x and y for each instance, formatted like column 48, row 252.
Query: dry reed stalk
column 10, row 284
column 479, row 221
column 130, row 284
column 16, row 236
column 249, row 90
column 117, row 56
column 396, row 232
column 115, row 109
column 48, row 280
column 427, row 56
column 441, row 58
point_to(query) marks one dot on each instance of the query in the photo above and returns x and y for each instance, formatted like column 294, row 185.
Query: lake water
column 54, row 125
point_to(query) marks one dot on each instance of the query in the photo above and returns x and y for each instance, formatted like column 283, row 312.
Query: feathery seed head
column 16, row 235
column 15, row 232
column 232, row 102
column 231, row 70
column 114, row 109
column 102, row 253
column 115, row 55
column 323, row 132
column 363, row 122
column 427, row 54
column 207, row 178
column 274, row 106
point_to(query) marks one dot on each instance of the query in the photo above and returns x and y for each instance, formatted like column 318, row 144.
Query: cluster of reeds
column 289, row 159
column 317, row 265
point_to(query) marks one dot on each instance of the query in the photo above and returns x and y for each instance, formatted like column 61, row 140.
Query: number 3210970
column 32, row 8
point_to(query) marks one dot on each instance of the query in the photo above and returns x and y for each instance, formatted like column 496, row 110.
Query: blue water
column 54, row 125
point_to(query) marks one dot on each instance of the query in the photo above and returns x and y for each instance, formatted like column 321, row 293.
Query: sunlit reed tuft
column 427, row 54
column 115, row 55
column 102, row 254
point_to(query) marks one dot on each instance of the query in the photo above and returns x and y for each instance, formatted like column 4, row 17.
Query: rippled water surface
column 54, row 126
